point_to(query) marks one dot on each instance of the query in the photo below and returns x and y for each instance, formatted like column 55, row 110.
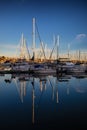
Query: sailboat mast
column 68, row 51
column 33, row 40
column 79, row 55
column 57, row 48
column 22, row 47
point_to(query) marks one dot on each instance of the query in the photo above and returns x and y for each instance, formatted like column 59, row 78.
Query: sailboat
column 43, row 69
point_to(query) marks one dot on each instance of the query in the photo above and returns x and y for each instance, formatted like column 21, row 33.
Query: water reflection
column 48, row 89
column 33, row 97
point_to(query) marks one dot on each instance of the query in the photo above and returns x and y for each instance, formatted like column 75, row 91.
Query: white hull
column 45, row 71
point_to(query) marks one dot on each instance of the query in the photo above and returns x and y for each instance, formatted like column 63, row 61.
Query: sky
column 66, row 18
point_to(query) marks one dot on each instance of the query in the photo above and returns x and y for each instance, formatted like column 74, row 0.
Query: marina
column 43, row 64
column 44, row 68
column 43, row 92
column 39, row 62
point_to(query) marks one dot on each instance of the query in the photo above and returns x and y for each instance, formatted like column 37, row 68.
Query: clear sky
column 66, row 18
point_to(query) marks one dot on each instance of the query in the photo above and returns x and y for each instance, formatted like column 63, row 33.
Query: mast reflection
column 33, row 97
column 44, row 92
column 41, row 84
column 20, row 83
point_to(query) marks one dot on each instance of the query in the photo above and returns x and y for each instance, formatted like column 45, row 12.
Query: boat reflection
column 21, row 84
column 33, row 98
column 45, row 83
column 21, row 88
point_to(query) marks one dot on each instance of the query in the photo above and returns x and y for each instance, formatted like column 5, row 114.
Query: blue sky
column 66, row 18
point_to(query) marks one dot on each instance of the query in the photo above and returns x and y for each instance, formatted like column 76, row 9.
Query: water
column 43, row 102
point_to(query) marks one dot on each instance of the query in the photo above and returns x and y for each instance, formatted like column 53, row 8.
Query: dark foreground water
column 43, row 102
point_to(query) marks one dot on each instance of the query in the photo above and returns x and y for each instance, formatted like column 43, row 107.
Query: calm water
column 42, row 102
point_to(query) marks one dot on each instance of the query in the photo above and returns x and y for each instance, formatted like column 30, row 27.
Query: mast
column 22, row 47
column 54, row 40
column 79, row 55
column 57, row 48
column 24, row 52
column 33, row 38
column 68, row 51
